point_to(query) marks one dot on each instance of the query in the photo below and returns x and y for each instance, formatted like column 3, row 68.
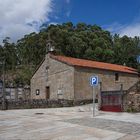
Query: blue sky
column 102, row 12
column 117, row 16
column 20, row 17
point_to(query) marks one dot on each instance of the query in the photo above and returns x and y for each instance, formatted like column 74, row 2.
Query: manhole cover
column 39, row 113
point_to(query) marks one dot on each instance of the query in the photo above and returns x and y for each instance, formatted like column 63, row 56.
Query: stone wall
column 59, row 77
column 131, row 100
column 82, row 87
column 42, row 103
column 72, row 83
column 38, row 81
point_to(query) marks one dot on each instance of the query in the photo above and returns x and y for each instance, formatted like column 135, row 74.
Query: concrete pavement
column 74, row 123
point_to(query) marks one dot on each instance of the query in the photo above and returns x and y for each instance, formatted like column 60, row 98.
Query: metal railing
column 114, row 92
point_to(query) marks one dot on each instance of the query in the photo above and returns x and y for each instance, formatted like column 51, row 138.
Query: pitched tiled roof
column 94, row 64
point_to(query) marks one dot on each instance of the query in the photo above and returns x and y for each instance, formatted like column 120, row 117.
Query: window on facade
column 47, row 72
column 37, row 91
column 116, row 77
column 47, row 68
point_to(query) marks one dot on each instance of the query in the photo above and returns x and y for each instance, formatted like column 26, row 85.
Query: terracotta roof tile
column 94, row 64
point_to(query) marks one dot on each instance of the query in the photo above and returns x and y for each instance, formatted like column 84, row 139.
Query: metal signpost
column 94, row 80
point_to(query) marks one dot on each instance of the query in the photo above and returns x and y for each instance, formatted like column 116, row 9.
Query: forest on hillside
column 80, row 41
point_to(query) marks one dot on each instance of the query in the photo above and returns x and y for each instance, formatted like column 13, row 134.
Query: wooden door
column 47, row 92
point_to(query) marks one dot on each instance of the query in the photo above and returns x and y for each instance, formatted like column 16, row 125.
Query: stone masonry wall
column 59, row 77
column 61, row 80
column 38, row 81
column 131, row 100
column 42, row 103
column 83, row 90
column 72, row 83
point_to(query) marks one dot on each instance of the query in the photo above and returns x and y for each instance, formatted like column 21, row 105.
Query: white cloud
column 20, row 17
column 114, row 28
column 53, row 23
column 131, row 30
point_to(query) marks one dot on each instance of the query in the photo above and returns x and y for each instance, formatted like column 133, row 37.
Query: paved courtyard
column 74, row 123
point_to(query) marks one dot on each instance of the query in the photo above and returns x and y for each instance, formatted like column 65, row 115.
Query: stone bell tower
column 49, row 46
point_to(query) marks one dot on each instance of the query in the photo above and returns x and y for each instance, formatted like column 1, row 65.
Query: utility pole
column 3, row 86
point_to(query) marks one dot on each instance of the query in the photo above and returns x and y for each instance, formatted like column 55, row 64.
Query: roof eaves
column 65, row 62
column 136, row 73
column 127, row 69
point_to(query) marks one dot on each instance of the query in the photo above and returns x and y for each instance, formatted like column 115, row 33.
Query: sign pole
column 94, row 83
column 93, row 89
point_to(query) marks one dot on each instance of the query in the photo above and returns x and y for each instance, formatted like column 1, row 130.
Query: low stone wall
column 41, row 103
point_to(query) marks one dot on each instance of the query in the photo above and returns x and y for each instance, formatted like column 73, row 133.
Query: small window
column 47, row 72
column 116, row 77
column 37, row 91
column 47, row 68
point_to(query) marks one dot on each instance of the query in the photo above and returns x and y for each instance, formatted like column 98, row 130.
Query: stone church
column 61, row 77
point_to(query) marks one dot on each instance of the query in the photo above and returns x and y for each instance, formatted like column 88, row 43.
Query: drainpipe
column 99, row 96
column 121, row 96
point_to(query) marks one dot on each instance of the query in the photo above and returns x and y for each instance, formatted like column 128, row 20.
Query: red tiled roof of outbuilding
column 94, row 64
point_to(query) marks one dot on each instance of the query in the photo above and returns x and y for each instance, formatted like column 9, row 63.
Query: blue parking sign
column 94, row 80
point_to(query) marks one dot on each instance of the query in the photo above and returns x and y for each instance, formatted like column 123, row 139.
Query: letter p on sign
column 94, row 81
